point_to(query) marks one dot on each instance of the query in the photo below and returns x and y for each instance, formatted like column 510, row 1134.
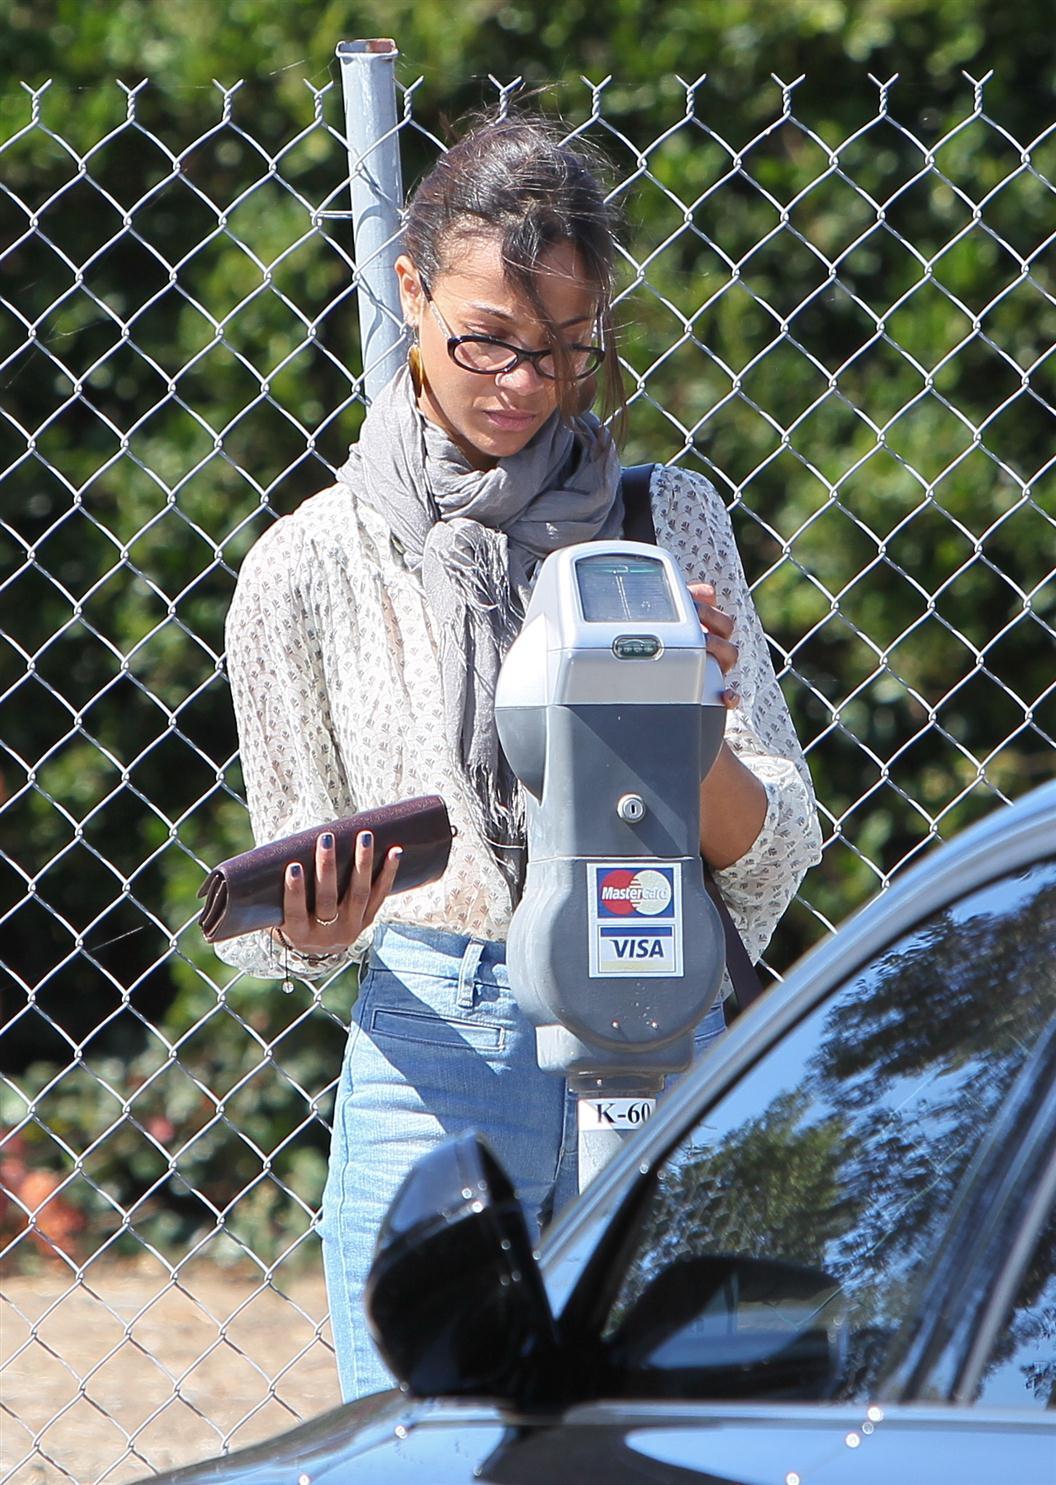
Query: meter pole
column 372, row 128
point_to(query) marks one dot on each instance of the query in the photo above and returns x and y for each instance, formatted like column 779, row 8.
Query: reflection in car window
column 1021, row 1370
column 842, row 1148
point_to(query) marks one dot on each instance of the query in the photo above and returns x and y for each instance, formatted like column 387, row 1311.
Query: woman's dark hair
column 516, row 175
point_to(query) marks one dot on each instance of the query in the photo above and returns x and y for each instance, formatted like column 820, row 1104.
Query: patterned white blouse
column 332, row 656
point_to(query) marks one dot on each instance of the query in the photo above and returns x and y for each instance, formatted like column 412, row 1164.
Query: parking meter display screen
column 613, row 589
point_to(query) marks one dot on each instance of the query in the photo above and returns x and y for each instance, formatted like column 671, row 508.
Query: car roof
column 1011, row 837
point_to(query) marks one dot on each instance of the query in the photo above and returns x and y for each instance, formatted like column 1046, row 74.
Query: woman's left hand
column 719, row 627
column 732, row 799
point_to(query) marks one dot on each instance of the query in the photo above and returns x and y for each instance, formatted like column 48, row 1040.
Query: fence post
column 368, row 82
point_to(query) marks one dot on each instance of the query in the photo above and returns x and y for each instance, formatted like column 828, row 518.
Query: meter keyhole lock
column 631, row 808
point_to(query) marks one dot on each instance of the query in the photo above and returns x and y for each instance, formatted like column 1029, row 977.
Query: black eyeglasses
column 487, row 356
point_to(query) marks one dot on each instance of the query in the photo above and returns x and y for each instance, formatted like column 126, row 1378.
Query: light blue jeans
column 437, row 1045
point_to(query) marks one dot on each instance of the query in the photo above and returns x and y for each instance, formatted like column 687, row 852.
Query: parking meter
column 609, row 710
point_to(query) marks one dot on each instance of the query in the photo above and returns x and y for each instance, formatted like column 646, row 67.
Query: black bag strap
column 637, row 504
column 638, row 525
column 746, row 983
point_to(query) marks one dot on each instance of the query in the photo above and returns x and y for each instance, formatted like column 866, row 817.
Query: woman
column 364, row 642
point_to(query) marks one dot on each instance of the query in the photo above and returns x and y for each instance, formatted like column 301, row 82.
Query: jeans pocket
column 367, row 972
column 435, row 1031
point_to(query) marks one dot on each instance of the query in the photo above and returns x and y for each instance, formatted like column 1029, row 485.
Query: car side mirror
column 454, row 1299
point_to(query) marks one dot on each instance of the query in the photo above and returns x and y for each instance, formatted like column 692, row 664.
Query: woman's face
column 492, row 416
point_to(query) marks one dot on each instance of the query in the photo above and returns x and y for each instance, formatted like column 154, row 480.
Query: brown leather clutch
column 245, row 893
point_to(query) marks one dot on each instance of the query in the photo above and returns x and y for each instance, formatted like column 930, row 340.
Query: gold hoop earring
column 414, row 364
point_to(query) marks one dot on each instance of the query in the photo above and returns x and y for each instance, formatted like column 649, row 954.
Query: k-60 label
column 615, row 1113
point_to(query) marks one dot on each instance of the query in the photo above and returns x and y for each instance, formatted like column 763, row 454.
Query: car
column 829, row 1257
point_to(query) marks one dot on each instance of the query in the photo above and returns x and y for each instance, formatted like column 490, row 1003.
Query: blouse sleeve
column 291, row 766
column 693, row 524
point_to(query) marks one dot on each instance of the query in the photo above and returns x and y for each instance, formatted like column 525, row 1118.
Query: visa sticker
column 635, row 914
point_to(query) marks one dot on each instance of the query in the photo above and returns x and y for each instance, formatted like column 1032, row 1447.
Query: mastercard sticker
column 635, row 918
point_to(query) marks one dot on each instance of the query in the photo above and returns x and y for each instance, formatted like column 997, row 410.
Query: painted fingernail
column 327, row 840
column 396, row 852
column 366, row 839
column 295, row 868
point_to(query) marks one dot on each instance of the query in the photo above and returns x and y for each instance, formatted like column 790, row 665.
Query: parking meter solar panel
column 615, row 950
column 613, row 589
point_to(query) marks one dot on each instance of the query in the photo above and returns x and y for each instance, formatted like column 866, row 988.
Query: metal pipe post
column 368, row 82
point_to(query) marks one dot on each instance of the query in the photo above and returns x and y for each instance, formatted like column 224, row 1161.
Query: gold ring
column 327, row 922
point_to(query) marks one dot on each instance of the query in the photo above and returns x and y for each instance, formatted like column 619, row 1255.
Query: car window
column 1021, row 1370
column 833, row 1162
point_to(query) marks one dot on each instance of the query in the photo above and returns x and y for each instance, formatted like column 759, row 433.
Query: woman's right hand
column 334, row 925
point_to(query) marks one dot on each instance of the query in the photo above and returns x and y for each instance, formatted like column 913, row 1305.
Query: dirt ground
column 125, row 1373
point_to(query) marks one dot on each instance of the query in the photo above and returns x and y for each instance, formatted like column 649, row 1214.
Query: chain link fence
column 852, row 336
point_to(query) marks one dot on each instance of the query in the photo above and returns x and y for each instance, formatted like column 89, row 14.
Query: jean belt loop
column 467, row 974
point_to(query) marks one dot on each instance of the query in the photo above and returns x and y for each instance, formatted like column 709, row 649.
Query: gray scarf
column 476, row 537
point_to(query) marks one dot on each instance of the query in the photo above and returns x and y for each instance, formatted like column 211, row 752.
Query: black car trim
column 984, row 1235
column 1014, row 837
column 581, row 1320
column 1036, row 1213
column 1025, row 1222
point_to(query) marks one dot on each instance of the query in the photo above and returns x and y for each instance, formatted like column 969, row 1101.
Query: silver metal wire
column 879, row 507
